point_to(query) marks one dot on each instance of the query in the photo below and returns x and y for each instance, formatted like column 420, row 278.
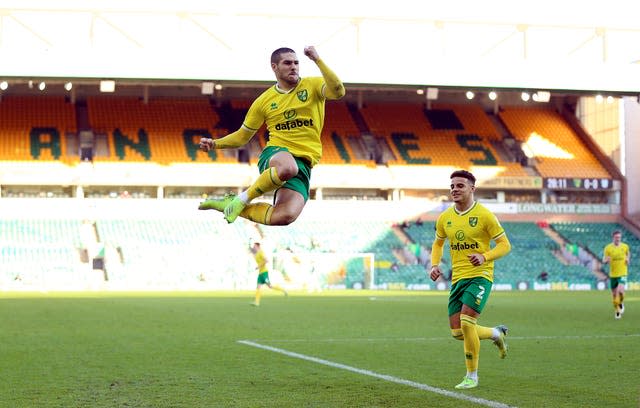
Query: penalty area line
column 390, row 378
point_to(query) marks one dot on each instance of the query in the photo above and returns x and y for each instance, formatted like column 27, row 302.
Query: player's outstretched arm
column 334, row 89
column 236, row 139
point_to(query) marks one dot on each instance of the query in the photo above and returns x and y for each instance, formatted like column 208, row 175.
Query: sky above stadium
column 587, row 45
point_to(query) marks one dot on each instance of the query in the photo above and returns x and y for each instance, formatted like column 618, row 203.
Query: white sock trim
column 495, row 334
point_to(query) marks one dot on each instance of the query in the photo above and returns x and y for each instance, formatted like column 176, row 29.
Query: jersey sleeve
column 255, row 116
column 494, row 228
column 440, row 234
column 318, row 86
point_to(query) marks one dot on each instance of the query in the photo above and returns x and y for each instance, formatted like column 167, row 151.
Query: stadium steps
column 503, row 153
column 358, row 119
column 359, row 148
column 402, row 234
column 562, row 257
column 82, row 115
column 556, row 238
column 593, row 237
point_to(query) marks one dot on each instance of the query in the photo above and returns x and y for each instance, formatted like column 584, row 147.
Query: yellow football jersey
column 469, row 232
column 618, row 255
column 261, row 261
column 294, row 119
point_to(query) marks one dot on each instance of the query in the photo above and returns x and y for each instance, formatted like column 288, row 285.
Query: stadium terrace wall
column 184, row 249
column 117, row 173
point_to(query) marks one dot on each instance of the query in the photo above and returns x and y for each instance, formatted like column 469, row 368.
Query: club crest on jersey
column 473, row 221
column 303, row 95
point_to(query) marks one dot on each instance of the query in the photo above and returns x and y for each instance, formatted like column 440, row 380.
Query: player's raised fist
column 311, row 52
column 206, row 144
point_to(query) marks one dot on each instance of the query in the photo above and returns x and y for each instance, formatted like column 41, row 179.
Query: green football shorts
column 263, row 278
column 620, row 280
column 472, row 292
column 300, row 182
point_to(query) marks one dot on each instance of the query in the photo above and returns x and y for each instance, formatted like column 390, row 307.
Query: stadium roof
column 555, row 45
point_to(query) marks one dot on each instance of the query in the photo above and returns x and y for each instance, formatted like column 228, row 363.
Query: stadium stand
column 37, row 250
column 339, row 128
column 156, row 251
column 558, row 150
column 163, row 130
column 355, row 237
column 532, row 253
column 167, row 130
column 445, row 135
column 593, row 237
column 35, row 128
column 401, row 135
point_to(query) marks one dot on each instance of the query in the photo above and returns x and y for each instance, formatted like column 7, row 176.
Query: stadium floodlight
column 68, row 86
column 525, row 96
column 432, row 94
column 420, row 91
column 542, row 96
column 493, row 95
column 42, row 86
column 207, row 88
column 609, row 99
column 470, row 95
column 218, row 87
column 107, row 86
column 599, row 98
column 4, row 85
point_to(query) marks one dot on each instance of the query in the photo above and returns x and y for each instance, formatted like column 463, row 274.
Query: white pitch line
column 425, row 387
column 418, row 339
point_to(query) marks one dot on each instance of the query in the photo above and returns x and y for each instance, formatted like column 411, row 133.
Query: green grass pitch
column 334, row 349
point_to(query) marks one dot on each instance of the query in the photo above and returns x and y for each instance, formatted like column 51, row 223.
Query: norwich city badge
column 303, row 95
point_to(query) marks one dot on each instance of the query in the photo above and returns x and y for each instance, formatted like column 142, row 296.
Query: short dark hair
column 275, row 56
column 464, row 174
column 616, row 232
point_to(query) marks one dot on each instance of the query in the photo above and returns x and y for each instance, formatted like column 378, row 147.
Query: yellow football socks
column 267, row 181
column 258, row 212
column 616, row 302
column 484, row 332
column 471, row 342
column 257, row 298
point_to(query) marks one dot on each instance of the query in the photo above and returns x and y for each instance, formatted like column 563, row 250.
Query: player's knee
column 287, row 172
column 284, row 216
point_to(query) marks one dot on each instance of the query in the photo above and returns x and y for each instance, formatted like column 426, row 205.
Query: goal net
column 315, row 271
